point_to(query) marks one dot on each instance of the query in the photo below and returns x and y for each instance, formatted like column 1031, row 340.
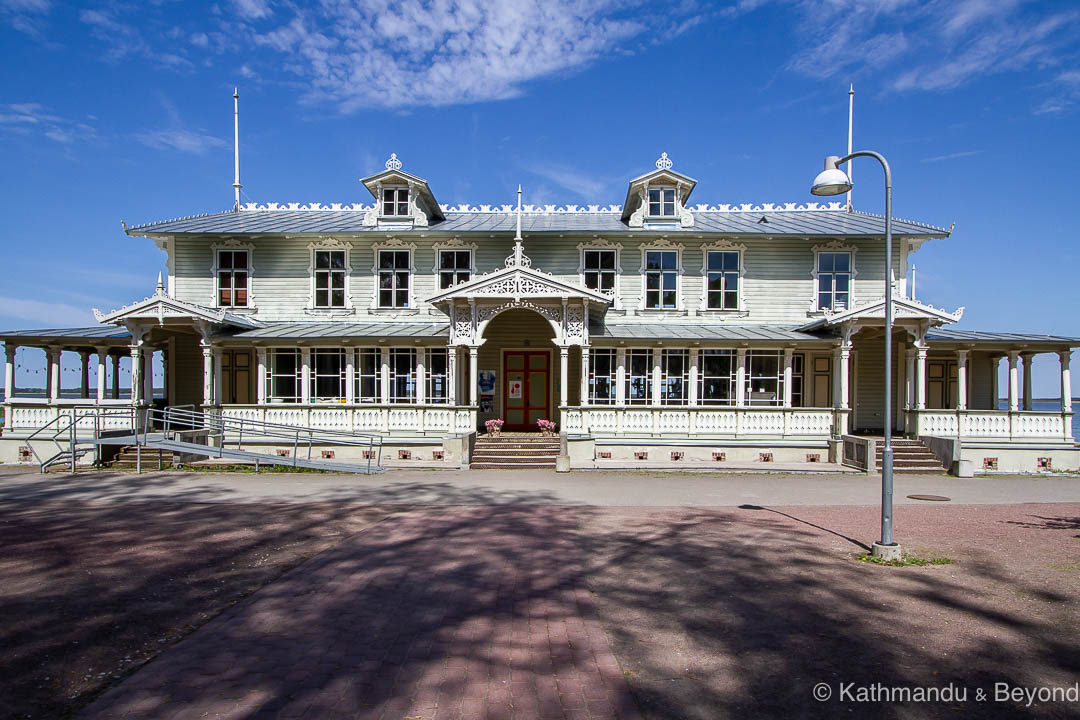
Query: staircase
column 517, row 451
column 128, row 458
column 911, row 456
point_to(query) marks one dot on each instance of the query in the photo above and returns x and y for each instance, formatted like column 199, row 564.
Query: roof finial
column 160, row 290
column 236, row 147
column 393, row 163
column 664, row 163
column 850, row 122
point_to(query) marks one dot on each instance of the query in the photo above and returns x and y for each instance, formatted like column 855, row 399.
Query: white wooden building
column 652, row 329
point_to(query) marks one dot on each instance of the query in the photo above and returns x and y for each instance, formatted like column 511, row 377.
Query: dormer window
column 395, row 202
column 662, row 202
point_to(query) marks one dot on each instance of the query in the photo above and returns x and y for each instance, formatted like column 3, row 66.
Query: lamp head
column 832, row 180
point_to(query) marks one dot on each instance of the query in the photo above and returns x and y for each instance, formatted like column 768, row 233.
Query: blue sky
column 122, row 110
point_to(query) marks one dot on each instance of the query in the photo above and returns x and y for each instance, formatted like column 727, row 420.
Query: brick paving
column 461, row 613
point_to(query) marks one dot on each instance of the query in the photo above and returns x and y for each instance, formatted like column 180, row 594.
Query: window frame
column 470, row 268
column 750, row 377
column 740, row 297
column 833, row 247
column 629, row 375
column 330, row 245
column 431, row 378
column 409, row 398
column 662, row 189
column 601, row 244
column 732, row 377
column 359, row 375
column 612, row 377
column 297, row 376
column 393, row 245
column 662, row 246
column 341, row 375
column 667, row 379
column 215, row 270
column 397, row 202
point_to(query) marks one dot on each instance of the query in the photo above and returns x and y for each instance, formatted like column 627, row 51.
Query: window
column 661, row 279
column 394, row 278
column 716, row 385
column 454, row 267
column 395, row 202
column 661, row 202
column 602, row 367
column 797, row 399
column 765, row 377
column 232, row 278
column 834, row 280
column 285, row 377
column 330, row 278
column 600, row 271
column 722, row 280
column 367, row 375
column 674, row 376
column 639, row 376
column 327, row 375
column 435, row 392
column 402, row 375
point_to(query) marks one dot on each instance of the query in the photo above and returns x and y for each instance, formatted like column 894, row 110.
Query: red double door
column 526, row 389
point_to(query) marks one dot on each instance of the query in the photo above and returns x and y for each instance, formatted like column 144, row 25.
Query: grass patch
column 906, row 560
column 264, row 468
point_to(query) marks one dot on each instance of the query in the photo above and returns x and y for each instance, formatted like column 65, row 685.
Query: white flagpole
column 236, row 147
column 850, row 122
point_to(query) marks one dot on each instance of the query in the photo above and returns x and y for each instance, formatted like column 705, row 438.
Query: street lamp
column 834, row 181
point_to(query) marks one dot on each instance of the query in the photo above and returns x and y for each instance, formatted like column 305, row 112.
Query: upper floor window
column 232, row 278
column 661, row 279
column 395, row 202
column 394, row 272
column 834, row 280
column 330, row 272
column 661, row 202
column 600, row 271
column 602, row 376
column 722, row 279
column 455, row 266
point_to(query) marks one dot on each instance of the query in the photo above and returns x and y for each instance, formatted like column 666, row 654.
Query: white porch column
column 305, row 375
column 102, row 358
column 137, row 369
column 84, row 374
column 841, row 373
column 384, row 375
column 1014, row 381
column 995, row 391
column 9, row 370
column 961, row 379
column 620, row 377
column 148, row 375
column 920, row 382
column 115, row 377
column 656, row 377
column 1066, row 381
column 1028, row 360
column 207, row 374
column 740, row 377
column 909, row 378
column 421, row 375
column 583, row 398
column 695, row 355
column 53, row 355
column 564, row 369
column 350, row 375
column 451, row 374
column 260, row 375
column 474, row 380
column 218, row 380
column 788, row 355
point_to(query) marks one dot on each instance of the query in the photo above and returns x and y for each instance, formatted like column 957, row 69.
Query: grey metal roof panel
column 976, row 336
column 685, row 331
column 340, row 330
column 96, row 332
column 741, row 222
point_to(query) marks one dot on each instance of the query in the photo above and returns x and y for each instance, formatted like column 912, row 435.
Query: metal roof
column 337, row 330
column 998, row 338
column 97, row 332
column 778, row 221
column 677, row 331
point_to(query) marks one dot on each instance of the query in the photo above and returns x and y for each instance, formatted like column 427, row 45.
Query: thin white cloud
column 187, row 141
column 952, row 156
column 26, row 16
column 45, row 313
column 252, row 9
column 415, row 53
column 588, row 188
column 35, row 119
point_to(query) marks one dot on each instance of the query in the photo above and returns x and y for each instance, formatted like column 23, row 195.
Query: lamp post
column 834, row 181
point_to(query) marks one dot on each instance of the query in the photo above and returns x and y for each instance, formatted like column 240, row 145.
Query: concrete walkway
column 530, row 487
column 474, row 613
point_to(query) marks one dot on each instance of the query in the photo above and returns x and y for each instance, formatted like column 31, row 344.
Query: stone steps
column 912, row 456
column 128, row 458
column 515, row 452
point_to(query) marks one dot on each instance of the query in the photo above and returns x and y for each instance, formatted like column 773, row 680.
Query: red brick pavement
column 442, row 613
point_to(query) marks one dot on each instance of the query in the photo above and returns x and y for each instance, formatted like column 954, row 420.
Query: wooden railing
column 700, row 421
column 994, row 424
column 439, row 419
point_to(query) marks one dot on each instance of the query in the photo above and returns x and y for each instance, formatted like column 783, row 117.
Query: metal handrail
column 73, row 417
